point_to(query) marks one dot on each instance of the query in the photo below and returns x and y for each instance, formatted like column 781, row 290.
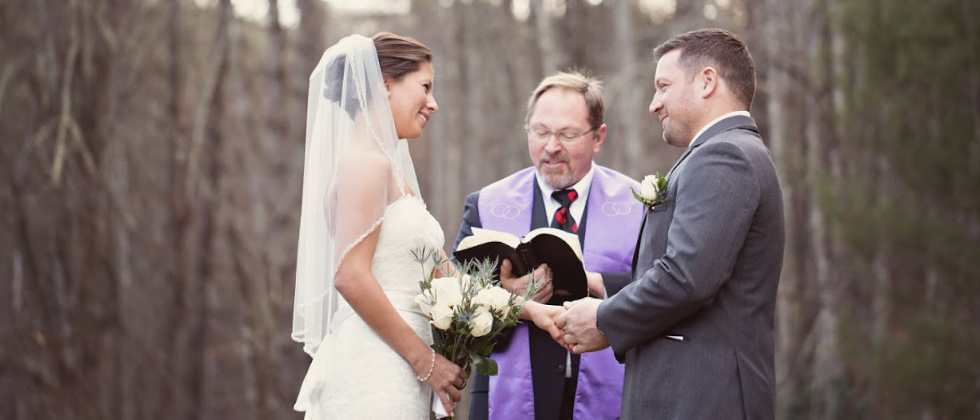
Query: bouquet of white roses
column 468, row 310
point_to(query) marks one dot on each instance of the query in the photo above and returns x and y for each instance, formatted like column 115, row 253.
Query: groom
column 695, row 326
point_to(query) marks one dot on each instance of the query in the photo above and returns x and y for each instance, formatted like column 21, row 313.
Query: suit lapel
column 737, row 121
column 636, row 249
column 679, row 160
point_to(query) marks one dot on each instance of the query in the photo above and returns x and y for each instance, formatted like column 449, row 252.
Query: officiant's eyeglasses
column 564, row 136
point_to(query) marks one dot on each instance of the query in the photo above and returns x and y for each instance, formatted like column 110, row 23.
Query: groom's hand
column 517, row 285
column 579, row 325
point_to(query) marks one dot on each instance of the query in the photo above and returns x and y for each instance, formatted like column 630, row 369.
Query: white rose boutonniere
column 652, row 190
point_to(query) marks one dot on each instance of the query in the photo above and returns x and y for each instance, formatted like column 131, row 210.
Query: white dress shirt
column 577, row 209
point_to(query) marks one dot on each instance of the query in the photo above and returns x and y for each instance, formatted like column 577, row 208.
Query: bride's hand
column 544, row 317
column 447, row 381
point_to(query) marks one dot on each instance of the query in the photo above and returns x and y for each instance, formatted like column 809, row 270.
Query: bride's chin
column 410, row 136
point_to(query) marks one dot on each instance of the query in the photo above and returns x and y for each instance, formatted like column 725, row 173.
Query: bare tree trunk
column 178, row 222
column 625, row 96
column 474, row 81
column 970, row 11
column 265, row 284
column 277, row 108
column 821, row 152
column 777, row 88
column 202, row 181
column 552, row 55
column 310, row 38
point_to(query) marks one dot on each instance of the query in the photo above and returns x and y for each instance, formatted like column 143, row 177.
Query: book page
column 482, row 236
column 570, row 238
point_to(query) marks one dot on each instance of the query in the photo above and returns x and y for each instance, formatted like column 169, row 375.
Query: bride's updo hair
column 397, row 55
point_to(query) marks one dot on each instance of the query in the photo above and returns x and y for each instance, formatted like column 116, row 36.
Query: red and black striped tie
column 563, row 218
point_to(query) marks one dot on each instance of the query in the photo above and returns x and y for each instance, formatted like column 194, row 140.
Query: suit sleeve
column 715, row 200
column 471, row 218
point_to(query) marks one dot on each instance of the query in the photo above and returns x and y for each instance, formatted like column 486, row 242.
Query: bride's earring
column 388, row 93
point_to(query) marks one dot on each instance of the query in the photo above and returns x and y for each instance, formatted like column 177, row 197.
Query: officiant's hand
column 542, row 275
column 581, row 335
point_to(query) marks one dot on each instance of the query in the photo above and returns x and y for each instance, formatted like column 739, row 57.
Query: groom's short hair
column 576, row 81
column 720, row 49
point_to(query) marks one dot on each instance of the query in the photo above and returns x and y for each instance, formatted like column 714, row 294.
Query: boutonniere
column 652, row 190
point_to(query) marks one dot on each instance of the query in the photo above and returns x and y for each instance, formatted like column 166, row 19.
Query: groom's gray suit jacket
column 705, row 271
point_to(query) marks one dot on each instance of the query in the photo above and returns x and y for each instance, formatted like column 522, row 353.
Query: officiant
column 564, row 189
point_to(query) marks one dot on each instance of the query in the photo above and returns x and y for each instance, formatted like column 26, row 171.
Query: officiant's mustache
column 554, row 157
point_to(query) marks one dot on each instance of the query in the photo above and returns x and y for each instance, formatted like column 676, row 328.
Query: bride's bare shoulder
column 364, row 164
column 364, row 157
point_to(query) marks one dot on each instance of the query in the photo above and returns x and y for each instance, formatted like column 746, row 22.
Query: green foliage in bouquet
column 468, row 310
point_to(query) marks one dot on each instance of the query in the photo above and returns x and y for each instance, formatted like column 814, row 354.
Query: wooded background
column 151, row 157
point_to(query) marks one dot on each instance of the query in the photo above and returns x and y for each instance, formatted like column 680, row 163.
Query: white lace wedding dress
column 357, row 375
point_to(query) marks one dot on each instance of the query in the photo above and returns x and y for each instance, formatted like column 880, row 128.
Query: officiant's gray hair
column 576, row 81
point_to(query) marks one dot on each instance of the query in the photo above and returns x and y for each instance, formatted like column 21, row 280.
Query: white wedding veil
column 351, row 143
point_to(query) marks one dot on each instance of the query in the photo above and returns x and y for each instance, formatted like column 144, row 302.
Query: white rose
column 483, row 298
column 648, row 188
column 424, row 305
column 495, row 298
column 442, row 316
column 446, row 291
column 482, row 322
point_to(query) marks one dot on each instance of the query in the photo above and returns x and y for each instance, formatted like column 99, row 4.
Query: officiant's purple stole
column 612, row 225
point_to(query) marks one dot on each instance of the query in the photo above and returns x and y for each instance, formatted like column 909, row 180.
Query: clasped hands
column 572, row 325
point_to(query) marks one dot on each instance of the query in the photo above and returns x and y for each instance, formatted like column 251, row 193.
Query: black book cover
column 555, row 247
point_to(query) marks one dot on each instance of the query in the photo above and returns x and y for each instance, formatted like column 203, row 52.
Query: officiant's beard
column 560, row 178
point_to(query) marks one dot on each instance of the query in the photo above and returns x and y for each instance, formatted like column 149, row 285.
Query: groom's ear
column 707, row 80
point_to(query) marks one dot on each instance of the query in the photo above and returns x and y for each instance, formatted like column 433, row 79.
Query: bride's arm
column 357, row 284
column 361, row 290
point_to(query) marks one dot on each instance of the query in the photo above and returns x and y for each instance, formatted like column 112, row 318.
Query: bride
column 361, row 217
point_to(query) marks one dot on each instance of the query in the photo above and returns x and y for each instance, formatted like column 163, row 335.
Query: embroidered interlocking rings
column 616, row 208
column 505, row 211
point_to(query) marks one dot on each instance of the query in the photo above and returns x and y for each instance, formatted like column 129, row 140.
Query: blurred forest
column 151, row 158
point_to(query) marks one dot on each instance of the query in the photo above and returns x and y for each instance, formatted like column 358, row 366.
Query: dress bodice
column 407, row 226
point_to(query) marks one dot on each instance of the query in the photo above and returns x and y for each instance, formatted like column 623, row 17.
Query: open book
column 555, row 247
